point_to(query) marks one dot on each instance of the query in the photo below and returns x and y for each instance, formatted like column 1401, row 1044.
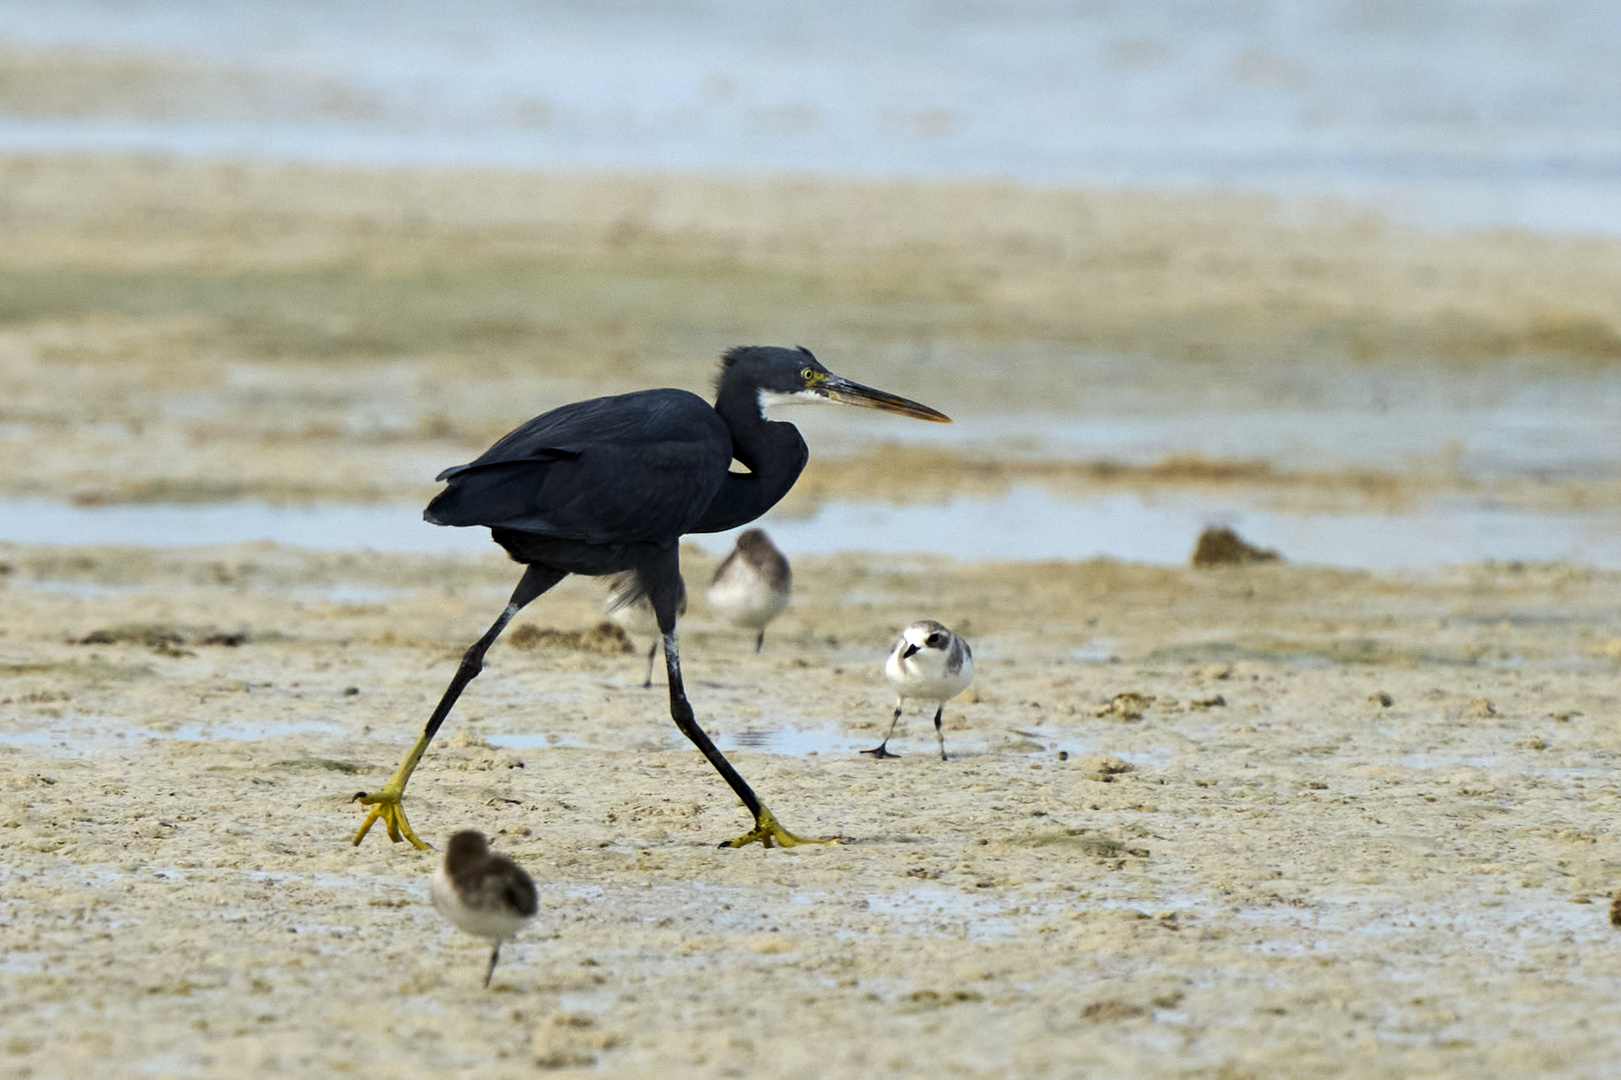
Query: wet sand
column 182, row 332
column 1277, row 821
column 1252, row 867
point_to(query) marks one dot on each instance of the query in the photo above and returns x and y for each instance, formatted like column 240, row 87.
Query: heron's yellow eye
column 808, row 374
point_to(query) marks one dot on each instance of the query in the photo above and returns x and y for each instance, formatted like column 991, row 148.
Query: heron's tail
column 627, row 590
column 494, row 492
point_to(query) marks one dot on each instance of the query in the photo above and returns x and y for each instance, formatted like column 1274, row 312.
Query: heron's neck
column 774, row 454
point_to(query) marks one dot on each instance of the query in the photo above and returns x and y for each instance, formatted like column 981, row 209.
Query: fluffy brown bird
column 752, row 584
column 485, row 894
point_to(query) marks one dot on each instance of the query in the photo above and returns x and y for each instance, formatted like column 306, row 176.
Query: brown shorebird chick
column 485, row 894
column 752, row 584
column 634, row 613
column 930, row 663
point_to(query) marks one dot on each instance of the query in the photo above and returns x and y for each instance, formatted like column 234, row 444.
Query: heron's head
column 780, row 376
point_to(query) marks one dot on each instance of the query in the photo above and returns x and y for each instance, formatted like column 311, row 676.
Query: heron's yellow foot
column 769, row 832
column 385, row 806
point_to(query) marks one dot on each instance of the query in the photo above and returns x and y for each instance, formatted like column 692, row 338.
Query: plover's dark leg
column 385, row 804
column 495, row 954
column 939, row 734
column 759, row 639
column 881, row 751
column 651, row 652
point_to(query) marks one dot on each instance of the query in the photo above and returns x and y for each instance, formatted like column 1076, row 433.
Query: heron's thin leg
column 759, row 639
column 767, row 830
column 652, row 651
column 681, row 713
column 939, row 734
column 385, row 804
column 495, row 954
column 881, row 750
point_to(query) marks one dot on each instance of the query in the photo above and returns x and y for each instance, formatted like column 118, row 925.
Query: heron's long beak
column 853, row 393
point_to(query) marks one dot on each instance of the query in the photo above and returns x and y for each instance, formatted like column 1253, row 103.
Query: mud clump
column 1105, row 767
column 1127, row 706
column 151, row 635
column 603, row 639
column 161, row 638
column 1112, row 1011
column 1221, row 546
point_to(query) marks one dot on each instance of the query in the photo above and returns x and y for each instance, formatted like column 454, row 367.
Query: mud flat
column 176, row 331
column 1268, row 821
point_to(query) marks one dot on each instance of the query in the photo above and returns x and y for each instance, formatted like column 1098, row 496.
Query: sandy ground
column 1238, row 823
column 1254, row 868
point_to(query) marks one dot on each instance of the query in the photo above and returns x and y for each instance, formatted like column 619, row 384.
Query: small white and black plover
column 752, row 584
column 930, row 663
column 485, row 894
column 634, row 613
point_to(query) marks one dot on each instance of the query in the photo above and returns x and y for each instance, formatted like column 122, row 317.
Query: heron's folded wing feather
column 538, row 456
column 633, row 468
column 624, row 419
column 599, row 493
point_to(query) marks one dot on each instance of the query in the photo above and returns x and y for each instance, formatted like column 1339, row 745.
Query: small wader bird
column 611, row 485
column 485, row 894
column 752, row 584
column 930, row 663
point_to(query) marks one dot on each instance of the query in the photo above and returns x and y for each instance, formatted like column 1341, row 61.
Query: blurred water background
column 1445, row 111
column 1446, row 114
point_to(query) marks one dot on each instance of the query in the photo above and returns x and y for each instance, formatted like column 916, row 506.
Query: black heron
column 611, row 485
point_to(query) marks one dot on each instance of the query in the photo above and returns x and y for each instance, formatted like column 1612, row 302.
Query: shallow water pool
column 1027, row 524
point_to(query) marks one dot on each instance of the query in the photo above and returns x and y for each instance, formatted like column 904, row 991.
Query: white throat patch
column 770, row 398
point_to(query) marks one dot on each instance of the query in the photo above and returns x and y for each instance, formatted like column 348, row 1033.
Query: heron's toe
column 768, row 832
column 386, row 806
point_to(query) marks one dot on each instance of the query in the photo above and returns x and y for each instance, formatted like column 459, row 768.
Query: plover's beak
column 835, row 388
column 911, row 650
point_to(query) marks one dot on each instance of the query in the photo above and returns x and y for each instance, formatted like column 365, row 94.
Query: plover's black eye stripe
column 935, row 641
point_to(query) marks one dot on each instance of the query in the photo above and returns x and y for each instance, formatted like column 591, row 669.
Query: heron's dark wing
column 634, row 468
column 645, row 416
